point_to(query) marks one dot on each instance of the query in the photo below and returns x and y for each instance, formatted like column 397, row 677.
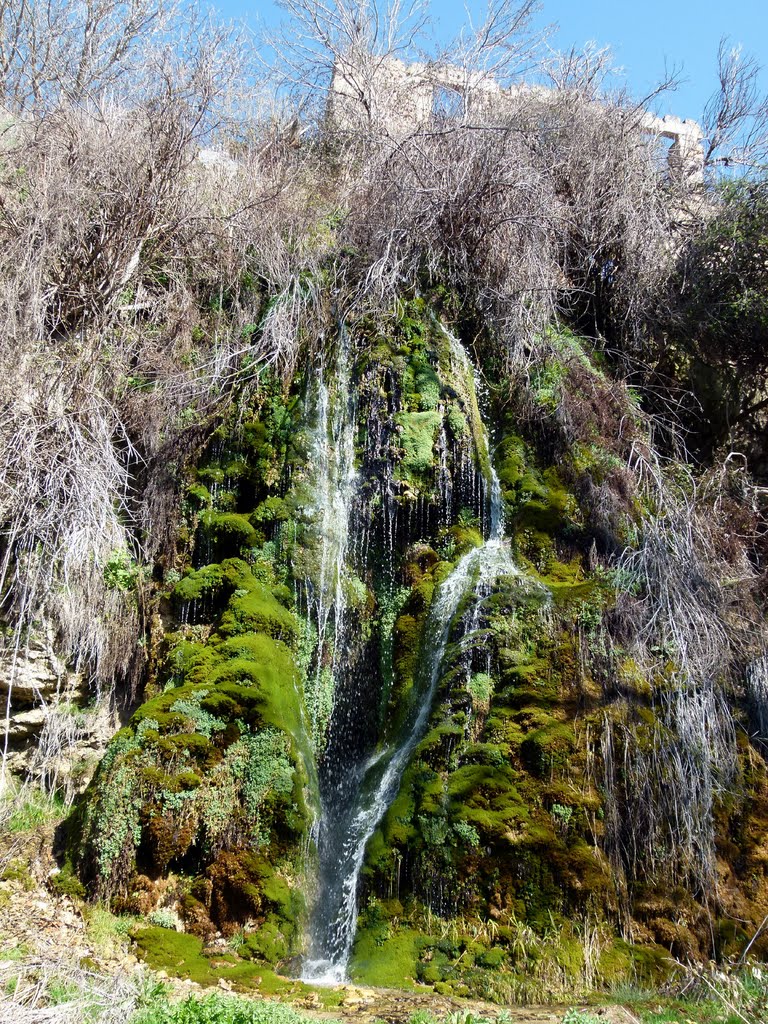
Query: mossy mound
column 218, row 763
column 181, row 955
column 418, row 431
column 387, row 961
column 248, row 604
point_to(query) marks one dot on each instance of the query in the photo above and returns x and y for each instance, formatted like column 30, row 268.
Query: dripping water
column 333, row 459
column 757, row 691
column 353, row 807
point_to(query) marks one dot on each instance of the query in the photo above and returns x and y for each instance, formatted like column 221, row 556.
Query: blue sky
column 642, row 35
column 685, row 33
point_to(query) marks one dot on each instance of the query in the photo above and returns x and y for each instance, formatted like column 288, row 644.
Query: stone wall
column 400, row 98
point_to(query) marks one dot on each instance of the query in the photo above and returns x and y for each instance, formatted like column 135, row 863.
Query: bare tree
column 735, row 119
column 353, row 41
column 113, row 231
column 58, row 51
column 504, row 45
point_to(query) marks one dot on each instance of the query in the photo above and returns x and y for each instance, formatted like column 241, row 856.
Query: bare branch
column 735, row 119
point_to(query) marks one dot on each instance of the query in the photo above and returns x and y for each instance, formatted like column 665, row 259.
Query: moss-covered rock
column 493, row 869
column 219, row 761
column 418, row 431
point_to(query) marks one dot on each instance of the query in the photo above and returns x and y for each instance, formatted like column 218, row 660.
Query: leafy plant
column 217, row 1009
column 164, row 918
column 573, row 1016
column 562, row 813
column 122, row 572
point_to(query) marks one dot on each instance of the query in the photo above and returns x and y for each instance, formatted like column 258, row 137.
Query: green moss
column 407, row 635
column 230, row 531
column 208, row 580
column 224, row 752
column 212, row 473
column 427, row 385
column 256, row 610
column 272, row 510
column 492, row 958
column 549, row 748
column 650, row 965
column 181, row 956
column 546, row 505
column 251, row 607
column 236, row 468
column 275, row 677
column 284, row 899
column 389, row 961
column 418, row 431
column 546, row 383
column 511, row 463
column 17, row 870
column 397, row 827
column 66, row 883
column 632, row 679
column 200, row 495
column 221, row 760
column 268, row 943
column 486, row 797
column 570, row 588
column 540, row 501
column 285, row 595
column 173, row 952
column 465, row 538
column 456, row 422
column 481, row 687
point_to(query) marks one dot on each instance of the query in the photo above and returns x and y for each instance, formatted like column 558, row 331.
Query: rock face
column 557, row 796
column 35, row 673
column 56, row 731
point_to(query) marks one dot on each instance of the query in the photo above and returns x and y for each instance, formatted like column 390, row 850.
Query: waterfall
column 333, row 459
column 356, row 804
column 757, row 690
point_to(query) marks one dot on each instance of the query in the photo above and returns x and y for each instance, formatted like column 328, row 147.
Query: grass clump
column 28, row 809
column 108, row 933
column 15, row 953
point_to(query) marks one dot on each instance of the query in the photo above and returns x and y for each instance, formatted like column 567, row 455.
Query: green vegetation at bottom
column 180, row 955
column 216, row 1009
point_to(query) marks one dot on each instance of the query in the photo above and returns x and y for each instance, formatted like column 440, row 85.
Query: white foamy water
column 351, row 815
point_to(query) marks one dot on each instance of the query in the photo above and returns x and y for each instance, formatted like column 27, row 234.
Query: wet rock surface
column 372, row 1004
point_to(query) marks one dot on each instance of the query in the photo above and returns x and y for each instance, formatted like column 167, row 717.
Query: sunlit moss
column 418, row 431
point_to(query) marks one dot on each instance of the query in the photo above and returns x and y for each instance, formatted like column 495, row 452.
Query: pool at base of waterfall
column 323, row 973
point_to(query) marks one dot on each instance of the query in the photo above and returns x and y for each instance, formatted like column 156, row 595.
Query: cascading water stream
column 333, row 457
column 352, row 812
column 757, row 688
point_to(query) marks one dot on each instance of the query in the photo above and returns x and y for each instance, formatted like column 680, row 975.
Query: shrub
column 217, row 1009
column 165, row 918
